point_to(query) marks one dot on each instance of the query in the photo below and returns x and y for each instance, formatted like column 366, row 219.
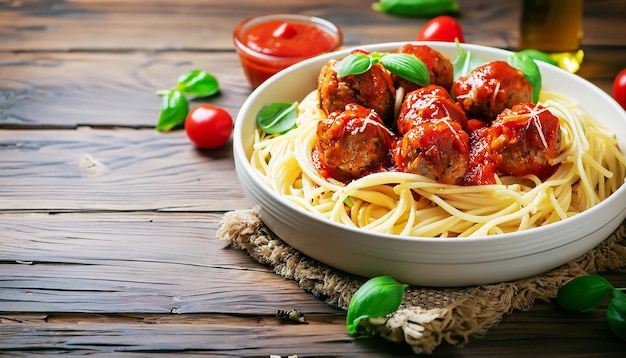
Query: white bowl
column 437, row 262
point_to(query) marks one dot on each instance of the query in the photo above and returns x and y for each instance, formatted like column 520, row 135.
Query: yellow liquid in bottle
column 554, row 27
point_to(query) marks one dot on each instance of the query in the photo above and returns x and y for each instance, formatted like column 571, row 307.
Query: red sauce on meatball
column 352, row 143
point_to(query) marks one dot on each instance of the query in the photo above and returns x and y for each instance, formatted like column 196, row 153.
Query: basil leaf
column 583, row 293
column 174, row 109
column 465, row 63
column 539, row 56
column 354, row 64
column 277, row 117
column 377, row 297
column 408, row 67
column 198, row 83
column 531, row 71
column 616, row 314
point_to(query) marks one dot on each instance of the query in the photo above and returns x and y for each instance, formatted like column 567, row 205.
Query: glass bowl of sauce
column 270, row 43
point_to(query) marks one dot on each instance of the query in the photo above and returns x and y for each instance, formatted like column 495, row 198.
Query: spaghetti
column 591, row 167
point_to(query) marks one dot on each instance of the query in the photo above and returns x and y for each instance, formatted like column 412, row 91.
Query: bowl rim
column 240, row 152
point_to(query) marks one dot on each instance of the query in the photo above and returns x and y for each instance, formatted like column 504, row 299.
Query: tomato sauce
column 270, row 46
column 288, row 39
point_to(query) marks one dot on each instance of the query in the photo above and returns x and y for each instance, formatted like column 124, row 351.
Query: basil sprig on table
column 417, row 8
column 377, row 297
column 174, row 104
column 198, row 83
column 403, row 65
column 616, row 313
column 585, row 293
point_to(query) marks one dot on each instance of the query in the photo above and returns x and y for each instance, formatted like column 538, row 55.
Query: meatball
column 373, row 89
column 439, row 67
column 427, row 104
column 521, row 141
column 438, row 150
column 527, row 138
column 490, row 88
column 352, row 143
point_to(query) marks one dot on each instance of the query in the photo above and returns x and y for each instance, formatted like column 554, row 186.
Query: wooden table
column 127, row 261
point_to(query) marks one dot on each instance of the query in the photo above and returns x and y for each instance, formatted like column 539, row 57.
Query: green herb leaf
column 583, row 293
column 408, row 67
column 417, row 8
column 355, row 64
column 539, row 56
column 616, row 314
column 377, row 297
column 465, row 63
column 198, row 83
column 277, row 117
column 531, row 71
column 174, row 109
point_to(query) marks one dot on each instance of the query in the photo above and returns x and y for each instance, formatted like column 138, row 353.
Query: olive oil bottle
column 554, row 27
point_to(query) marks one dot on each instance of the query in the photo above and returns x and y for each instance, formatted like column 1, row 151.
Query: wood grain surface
column 107, row 227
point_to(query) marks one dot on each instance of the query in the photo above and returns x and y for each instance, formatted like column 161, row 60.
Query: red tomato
column 208, row 126
column 441, row 28
column 619, row 88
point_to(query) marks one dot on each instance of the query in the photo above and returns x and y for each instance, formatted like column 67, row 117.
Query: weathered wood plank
column 145, row 170
column 543, row 329
column 165, row 25
column 139, row 262
column 157, row 287
column 215, row 336
column 105, row 89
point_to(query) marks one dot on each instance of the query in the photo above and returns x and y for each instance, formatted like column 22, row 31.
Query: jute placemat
column 427, row 316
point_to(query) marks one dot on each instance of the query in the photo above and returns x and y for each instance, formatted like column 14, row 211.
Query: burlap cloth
column 427, row 316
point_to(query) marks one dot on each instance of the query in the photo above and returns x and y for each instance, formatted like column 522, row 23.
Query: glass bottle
column 554, row 27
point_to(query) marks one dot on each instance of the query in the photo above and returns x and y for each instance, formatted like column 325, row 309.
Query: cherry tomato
column 619, row 88
column 208, row 126
column 441, row 28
